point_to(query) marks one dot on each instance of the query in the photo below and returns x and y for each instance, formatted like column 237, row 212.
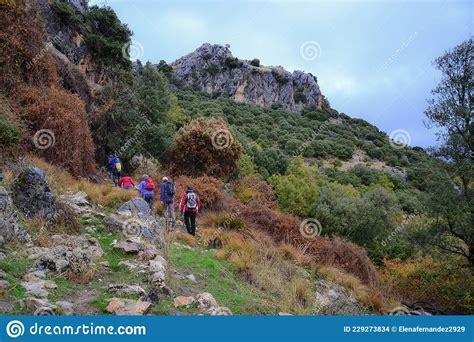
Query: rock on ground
column 10, row 230
column 32, row 195
column 205, row 300
column 62, row 258
column 148, row 228
column 77, row 202
column 219, row 311
column 135, row 207
column 332, row 299
column 37, row 305
column 182, row 301
column 65, row 308
column 89, row 246
column 127, row 307
column 37, row 287
column 126, row 289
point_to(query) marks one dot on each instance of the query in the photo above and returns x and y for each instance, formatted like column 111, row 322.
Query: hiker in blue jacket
column 115, row 168
column 167, row 192
column 146, row 189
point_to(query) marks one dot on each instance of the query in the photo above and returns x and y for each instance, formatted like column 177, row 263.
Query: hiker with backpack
column 146, row 189
column 126, row 182
column 167, row 192
column 115, row 166
column 189, row 207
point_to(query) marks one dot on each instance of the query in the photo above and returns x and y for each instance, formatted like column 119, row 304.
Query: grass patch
column 65, row 288
column 223, row 282
column 15, row 266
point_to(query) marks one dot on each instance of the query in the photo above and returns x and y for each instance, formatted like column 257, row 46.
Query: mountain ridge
column 213, row 68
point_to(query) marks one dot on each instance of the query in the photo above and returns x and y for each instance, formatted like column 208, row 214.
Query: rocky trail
column 116, row 265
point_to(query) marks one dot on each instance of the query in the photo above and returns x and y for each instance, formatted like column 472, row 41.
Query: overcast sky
column 373, row 59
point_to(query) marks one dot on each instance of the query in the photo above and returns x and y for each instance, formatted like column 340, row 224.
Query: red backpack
column 149, row 184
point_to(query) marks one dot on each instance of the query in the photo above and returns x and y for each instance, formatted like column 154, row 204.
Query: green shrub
column 232, row 62
column 212, row 69
column 255, row 62
column 65, row 12
column 300, row 97
column 9, row 131
column 297, row 189
column 107, row 36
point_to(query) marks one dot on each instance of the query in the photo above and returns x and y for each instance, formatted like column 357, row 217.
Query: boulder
column 219, row 311
column 77, row 202
column 137, row 207
column 332, row 299
column 37, row 305
column 113, row 223
column 65, row 308
column 37, row 288
column 182, row 301
column 4, row 285
column 191, row 277
column 206, row 300
column 89, row 246
column 148, row 253
column 128, row 246
column 148, row 228
column 5, row 307
column 93, row 178
column 127, row 307
column 10, row 230
column 32, row 195
column 62, row 258
column 126, row 289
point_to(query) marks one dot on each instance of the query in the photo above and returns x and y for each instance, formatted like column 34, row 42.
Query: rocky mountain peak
column 214, row 69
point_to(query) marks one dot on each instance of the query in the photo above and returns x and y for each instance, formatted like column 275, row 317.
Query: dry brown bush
column 208, row 189
column 195, row 154
column 328, row 251
column 22, row 42
column 62, row 114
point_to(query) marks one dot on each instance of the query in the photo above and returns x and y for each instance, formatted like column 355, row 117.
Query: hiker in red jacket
column 126, row 182
column 189, row 206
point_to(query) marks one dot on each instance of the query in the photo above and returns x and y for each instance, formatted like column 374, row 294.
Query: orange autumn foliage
column 63, row 118
column 204, row 147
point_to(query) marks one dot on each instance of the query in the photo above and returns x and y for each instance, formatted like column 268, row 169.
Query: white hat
column 165, row 178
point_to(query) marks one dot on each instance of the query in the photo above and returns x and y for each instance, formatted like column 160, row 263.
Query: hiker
column 115, row 165
column 189, row 206
column 146, row 189
column 126, row 182
column 167, row 192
